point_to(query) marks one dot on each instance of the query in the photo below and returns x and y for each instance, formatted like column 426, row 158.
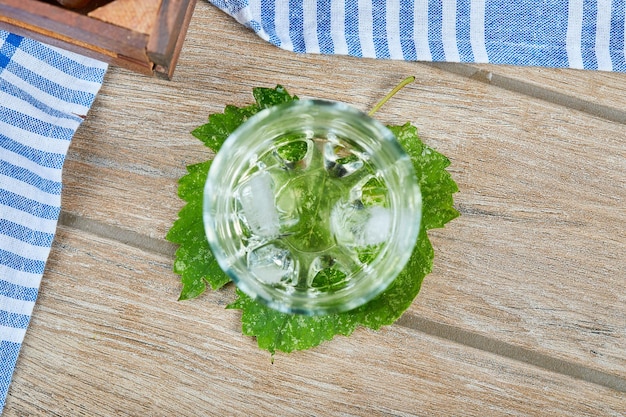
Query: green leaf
column 194, row 260
column 293, row 151
column 221, row 125
column 275, row 331
column 286, row 332
column 268, row 97
column 435, row 182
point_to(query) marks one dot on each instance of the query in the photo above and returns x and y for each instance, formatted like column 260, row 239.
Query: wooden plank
column 163, row 48
column 109, row 338
column 49, row 21
column 536, row 260
column 605, row 88
column 572, row 94
column 144, row 36
column 139, row 16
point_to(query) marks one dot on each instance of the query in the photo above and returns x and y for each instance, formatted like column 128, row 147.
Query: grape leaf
column 194, row 260
column 276, row 331
column 221, row 125
column 435, row 182
column 287, row 332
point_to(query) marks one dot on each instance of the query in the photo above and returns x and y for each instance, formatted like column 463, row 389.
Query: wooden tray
column 142, row 35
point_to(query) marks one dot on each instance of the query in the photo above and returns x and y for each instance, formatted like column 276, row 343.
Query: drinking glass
column 312, row 207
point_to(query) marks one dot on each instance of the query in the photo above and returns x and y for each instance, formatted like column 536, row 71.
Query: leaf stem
column 385, row 99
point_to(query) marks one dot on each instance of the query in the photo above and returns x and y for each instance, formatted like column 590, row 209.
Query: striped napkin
column 44, row 91
column 583, row 34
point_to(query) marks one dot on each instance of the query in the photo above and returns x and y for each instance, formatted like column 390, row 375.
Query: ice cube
column 268, row 274
column 358, row 226
column 256, row 196
column 377, row 227
column 340, row 161
column 271, row 264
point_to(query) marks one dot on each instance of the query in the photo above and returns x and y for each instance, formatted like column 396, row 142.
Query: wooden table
column 524, row 313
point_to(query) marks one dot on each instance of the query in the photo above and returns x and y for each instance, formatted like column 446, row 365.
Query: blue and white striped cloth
column 44, row 91
column 584, row 34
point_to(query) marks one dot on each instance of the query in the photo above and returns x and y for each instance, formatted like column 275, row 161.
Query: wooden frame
column 145, row 36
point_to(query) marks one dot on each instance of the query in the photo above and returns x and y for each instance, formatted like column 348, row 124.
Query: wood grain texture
column 163, row 49
column 524, row 313
column 606, row 89
column 541, row 185
column 118, row 343
column 143, row 36
column 139, row 16
column 69, row 27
